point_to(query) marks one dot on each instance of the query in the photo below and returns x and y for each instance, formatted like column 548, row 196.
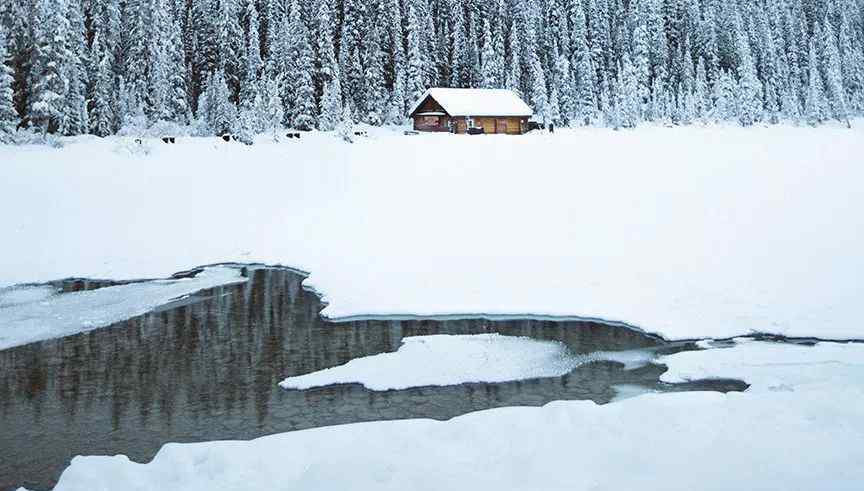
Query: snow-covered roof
column 476, row 102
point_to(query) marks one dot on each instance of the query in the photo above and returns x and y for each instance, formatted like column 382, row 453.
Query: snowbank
column 450, row 360
column 805, row 436
column 687, row 232
column 31, row 314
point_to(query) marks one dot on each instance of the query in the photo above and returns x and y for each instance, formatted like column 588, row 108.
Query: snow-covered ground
column 798, row 427
column 35, row 313
column 684, row 231
column 451, row 360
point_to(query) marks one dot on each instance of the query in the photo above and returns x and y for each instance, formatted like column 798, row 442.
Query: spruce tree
column 102, row 112
column 8, row 116
column 331, row 97
column 252, row 58
column 75, row 119
column 50, row 55
column 833, row 76
column 302, row 110
column 629, row 101
column 374, row 89
column 814, row 103
column 749, row 87
column 490, row 69
column 414, row 76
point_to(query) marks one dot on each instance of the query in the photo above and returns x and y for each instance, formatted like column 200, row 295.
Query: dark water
column 207, row 368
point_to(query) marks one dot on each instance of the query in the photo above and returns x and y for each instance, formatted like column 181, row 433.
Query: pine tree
column 269, row 105
column 749, row 86
column 350, row 47
column 75, row 119
column 641, row 56
column 565, row 89
column 102, row 114
column 629, row 99
column 158, row 88
column 701, row 95
column 216, row 111
column 331, row 97
column 514, row 71
column 301, row 109
column 461, row 60
column 584, row 73
column 230, row 46
column 414, row 77
column 374, row 89
column 50, row 56
column 490, row 62
column 252, row 59
column 177, row 103
column 724, row 97
column 833, row 75
column 814, row 103
column 8, row 116
column 345, row 128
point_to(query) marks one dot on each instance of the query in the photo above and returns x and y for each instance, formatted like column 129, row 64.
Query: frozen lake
column 207, row 367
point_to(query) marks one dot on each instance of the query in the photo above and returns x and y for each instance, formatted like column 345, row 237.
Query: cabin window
column 470, row 122
column 430, row 119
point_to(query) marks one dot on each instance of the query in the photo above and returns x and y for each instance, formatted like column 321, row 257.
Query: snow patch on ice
column 31, row 314
column 11, row 296
column 457, row 359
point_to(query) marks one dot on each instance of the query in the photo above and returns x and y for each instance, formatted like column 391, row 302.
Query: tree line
column 107, row 66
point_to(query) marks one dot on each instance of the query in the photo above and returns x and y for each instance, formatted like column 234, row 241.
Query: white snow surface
column 476, row 102
column 33, row 314
column 688, row 231
column 799, row 427
column 456, row 359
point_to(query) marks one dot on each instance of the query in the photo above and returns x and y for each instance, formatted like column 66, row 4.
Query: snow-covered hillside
column 684, row 231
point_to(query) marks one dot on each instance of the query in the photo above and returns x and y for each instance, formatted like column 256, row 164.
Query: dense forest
column 106, row 66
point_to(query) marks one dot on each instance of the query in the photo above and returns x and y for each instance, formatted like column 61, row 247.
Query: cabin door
column 500, row 126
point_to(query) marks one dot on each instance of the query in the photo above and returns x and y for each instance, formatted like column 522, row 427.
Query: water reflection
column 207, row 368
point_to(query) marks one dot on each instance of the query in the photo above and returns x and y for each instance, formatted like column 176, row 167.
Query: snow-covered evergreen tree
column 216, row 113
column 815, row 105
column 331, row 97
column 374, row 88
column 836, row 94
column 490, row 62
column 414, row 76
column 301, row 112
column 102, row 114
column 75, row 118
column 50, row 56
column 249, row 91
column 8, row 115
column 629, row 97
column 749, row 87
column 110, row 61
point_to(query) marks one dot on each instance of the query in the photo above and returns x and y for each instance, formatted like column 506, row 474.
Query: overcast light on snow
column 451, row 360
column 797, row 428
column 684, row 231
column 33, row 313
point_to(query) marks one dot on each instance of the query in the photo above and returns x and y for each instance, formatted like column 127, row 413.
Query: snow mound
column 34, row 314
column 802, row 439
column 456, row 359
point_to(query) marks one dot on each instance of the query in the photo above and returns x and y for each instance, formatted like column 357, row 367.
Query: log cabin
column 457, row 110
